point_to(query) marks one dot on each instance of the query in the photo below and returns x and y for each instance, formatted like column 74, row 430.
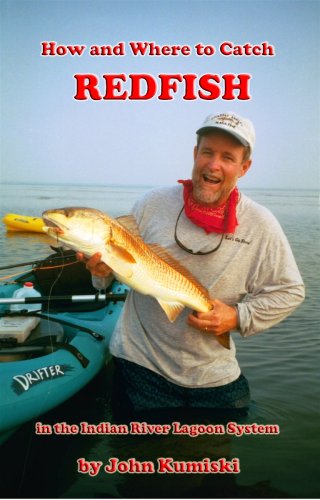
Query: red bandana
column 222, row 219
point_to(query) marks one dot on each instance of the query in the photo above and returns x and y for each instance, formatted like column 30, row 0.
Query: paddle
column 113, row 297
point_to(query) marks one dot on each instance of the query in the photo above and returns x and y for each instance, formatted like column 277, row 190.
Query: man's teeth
column 212, row 180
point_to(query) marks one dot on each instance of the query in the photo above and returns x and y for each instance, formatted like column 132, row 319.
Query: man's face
column 218, row 163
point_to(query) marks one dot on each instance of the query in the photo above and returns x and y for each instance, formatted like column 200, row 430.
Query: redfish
column 146, row 268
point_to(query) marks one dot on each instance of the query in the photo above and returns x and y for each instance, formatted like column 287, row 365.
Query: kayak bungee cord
column 2, row 278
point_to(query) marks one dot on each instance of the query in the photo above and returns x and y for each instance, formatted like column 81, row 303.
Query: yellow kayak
column 16, row 222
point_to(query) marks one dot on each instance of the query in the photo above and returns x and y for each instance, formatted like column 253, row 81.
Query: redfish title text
column 163, row 86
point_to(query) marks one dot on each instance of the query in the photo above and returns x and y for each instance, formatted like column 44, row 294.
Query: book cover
column 100, row 102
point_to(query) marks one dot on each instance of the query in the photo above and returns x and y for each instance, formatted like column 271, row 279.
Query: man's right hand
column 95, row 265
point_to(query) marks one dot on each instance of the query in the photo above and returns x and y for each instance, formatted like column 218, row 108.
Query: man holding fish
column 230, row 268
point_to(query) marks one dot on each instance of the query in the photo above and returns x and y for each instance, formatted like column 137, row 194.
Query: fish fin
column 224, row 340
column 120, row 260
column 172, row 309
column 121, row 253
column 129, row 223
column 167, row 257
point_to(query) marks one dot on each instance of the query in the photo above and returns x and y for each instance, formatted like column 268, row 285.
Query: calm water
column 282, row 366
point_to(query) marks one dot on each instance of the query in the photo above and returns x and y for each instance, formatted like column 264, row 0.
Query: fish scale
column 164, row 275
column 159, row 269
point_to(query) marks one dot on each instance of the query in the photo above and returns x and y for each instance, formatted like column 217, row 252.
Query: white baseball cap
column 239, row 127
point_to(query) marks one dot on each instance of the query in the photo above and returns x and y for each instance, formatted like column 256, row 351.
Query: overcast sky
column 49, row 137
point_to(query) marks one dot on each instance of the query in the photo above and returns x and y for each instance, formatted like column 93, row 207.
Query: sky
column 48, row 136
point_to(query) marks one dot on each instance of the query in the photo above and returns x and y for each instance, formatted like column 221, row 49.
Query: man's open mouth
column 211, row 179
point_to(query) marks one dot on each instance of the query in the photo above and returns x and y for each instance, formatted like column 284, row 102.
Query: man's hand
column 95, row 265
column 221, row 319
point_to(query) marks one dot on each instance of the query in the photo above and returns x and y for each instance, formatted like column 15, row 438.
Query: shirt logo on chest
column 231, row 237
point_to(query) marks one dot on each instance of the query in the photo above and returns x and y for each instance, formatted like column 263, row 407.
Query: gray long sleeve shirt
column 253, row 268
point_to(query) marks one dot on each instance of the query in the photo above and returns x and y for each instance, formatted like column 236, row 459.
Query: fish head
column 82, row 229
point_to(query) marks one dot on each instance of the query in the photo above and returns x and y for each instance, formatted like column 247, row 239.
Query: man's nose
column 215, row 163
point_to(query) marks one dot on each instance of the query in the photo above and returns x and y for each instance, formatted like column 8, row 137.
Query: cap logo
column 229, row 120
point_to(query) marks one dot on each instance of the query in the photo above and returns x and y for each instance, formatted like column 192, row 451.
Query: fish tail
column 224, row 340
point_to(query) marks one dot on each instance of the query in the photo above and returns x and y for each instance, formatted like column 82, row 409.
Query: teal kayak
column 64, row 351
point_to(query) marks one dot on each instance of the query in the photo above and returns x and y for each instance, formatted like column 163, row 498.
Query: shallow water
column 282, row 366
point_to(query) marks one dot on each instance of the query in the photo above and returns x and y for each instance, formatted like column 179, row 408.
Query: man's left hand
column 221, row 319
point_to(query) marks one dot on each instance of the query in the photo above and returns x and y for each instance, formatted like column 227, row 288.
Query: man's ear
column 245, row 167
column 195, row 152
